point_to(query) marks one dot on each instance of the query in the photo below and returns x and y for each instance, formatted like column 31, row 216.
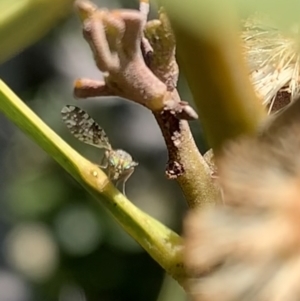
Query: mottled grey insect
column 118, row 164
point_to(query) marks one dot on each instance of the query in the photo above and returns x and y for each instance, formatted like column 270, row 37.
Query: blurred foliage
column 23, row 22
column 285, row 13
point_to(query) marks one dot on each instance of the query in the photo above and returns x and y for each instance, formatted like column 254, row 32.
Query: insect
column 118, row 164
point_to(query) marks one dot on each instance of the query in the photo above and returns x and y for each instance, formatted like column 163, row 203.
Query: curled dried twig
column 115, row 38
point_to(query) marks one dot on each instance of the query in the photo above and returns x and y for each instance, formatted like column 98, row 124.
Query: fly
column 118, row 164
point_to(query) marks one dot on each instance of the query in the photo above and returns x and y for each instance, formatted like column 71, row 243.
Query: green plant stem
column 210, row 54
column 164, row 245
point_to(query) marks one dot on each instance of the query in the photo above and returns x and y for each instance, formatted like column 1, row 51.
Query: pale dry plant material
column 273, row 59
column 249, row 248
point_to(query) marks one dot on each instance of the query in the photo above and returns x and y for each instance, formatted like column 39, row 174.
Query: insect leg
column 104, row 162
column 124, row 179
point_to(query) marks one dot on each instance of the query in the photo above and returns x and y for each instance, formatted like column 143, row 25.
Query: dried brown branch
column 140, row 66
column 115, row 38
column 185, row 162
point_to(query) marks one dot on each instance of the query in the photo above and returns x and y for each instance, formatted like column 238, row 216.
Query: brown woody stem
column 118, row 44
column 186, row 164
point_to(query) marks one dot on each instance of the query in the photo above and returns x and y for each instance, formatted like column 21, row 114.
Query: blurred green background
column 56, row 242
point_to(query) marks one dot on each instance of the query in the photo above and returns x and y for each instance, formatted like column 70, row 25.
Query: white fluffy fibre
column 272, row 57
